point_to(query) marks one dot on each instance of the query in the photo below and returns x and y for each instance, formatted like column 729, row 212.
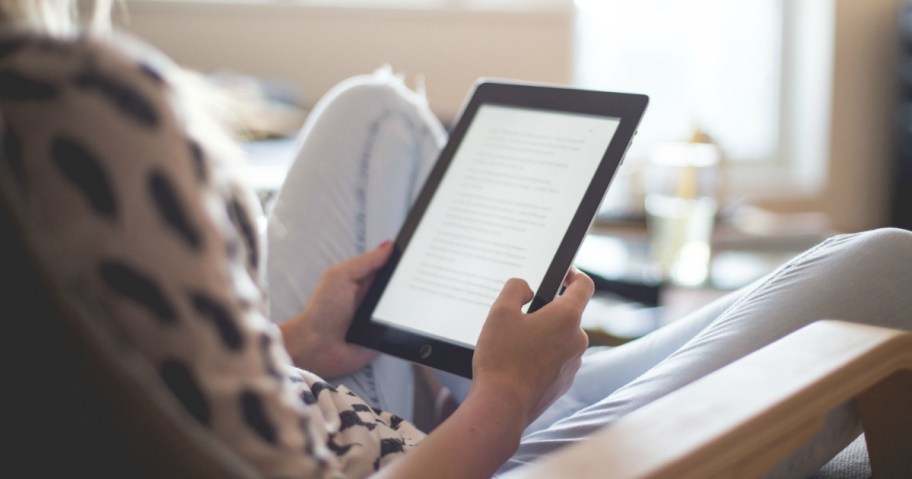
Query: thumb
column 362, row 266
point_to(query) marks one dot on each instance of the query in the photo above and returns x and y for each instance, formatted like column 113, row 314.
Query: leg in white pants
column 862, row 278
column 363, row 154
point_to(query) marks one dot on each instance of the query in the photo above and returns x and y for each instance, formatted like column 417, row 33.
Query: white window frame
column 799, row 168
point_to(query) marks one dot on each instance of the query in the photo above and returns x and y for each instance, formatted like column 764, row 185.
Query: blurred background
column 803, row 104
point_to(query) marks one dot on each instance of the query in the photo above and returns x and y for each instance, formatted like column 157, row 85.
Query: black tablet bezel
column 456, row 357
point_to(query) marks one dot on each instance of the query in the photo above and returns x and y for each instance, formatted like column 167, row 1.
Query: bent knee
column 883, row 252
column 362, row 99
column 379, row 90
column 887, row 240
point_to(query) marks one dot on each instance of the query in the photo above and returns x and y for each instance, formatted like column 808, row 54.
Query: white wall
column 314, row 47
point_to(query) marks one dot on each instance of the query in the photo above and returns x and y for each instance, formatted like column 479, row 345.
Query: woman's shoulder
column 35, row 68
column 58, row 60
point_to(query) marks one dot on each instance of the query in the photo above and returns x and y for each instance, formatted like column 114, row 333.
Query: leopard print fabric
column 133, row 216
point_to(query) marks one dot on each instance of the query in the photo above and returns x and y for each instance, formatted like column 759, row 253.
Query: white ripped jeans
column 364, row 153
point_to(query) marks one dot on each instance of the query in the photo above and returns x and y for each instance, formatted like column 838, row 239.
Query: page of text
column 501, row 211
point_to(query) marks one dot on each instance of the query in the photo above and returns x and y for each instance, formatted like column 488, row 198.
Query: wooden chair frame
column 746, row 417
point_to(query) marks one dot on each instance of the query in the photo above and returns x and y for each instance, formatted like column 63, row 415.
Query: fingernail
column 385, row 244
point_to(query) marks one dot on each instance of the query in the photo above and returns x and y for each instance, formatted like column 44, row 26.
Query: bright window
column 754, row 75
column 712, row 64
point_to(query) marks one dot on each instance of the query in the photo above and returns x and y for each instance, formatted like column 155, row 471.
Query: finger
column 579, row 289
column 582, row 342
column 514, row 295
column 571, row 273
column 362, row 266
column 574, row 298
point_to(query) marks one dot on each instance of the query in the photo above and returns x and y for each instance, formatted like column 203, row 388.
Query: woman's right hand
column 531, row 359
column 523, row 362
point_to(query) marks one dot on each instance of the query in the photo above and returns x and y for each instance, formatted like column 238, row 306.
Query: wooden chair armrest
column 748, row 416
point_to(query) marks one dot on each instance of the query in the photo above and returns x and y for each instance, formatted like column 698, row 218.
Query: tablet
column 512, row 194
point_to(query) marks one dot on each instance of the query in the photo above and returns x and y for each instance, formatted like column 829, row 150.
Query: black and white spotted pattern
column 130, row 214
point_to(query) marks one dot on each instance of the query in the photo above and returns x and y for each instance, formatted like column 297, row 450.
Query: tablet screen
column 501, row 210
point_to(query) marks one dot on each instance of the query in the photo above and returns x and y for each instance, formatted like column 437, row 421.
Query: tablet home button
column 425, row 351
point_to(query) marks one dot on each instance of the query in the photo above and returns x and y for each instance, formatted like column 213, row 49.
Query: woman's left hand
column 315, row 338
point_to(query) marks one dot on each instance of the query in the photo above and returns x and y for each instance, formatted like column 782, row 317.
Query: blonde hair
column 58, row 18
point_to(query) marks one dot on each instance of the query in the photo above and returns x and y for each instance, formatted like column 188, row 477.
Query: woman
column 125, row 189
